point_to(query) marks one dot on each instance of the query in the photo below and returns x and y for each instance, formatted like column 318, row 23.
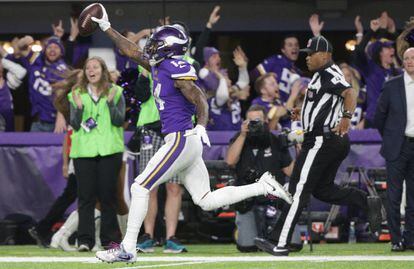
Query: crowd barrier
column 31, row 166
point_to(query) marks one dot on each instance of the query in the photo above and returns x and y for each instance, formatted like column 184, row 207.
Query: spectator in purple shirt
column 9, row 80
column 43, row 69
column 267, row 87
column 283, row 65
column 224, row 105
column 376, row 61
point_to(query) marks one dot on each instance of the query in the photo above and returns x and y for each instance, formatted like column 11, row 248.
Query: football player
column 177, row 98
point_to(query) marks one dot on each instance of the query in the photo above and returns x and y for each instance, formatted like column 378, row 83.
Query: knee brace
column 139, row 191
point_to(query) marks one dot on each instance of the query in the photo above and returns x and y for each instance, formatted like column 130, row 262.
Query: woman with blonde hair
column 353, row 77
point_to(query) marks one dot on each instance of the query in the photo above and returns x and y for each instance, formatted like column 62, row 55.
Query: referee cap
column 318, row 44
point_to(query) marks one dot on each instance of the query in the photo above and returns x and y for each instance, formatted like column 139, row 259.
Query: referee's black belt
column 410, row 139
column 326, row 134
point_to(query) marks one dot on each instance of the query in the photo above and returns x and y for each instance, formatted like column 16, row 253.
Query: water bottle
column 352, row 236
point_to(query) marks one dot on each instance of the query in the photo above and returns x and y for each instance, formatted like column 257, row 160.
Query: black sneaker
column 398, row 247
column 270, row 248
column 374, row 214
column 40, row 240
column 295, row 247
column 83, row 248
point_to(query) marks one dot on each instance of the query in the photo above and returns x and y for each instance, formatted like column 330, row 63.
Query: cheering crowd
column 70, row 91
column 276, row 83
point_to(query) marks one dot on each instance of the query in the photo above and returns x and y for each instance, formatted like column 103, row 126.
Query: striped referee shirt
column 323, row 104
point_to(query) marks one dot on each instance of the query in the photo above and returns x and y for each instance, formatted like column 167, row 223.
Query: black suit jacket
column 391, row 117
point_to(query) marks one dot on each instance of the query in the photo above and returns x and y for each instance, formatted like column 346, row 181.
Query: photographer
column 253, row 151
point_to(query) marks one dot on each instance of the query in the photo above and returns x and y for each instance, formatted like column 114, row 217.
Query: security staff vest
column 103, row 140
column 149, row 112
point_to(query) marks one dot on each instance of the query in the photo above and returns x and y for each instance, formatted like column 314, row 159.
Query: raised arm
column 127, row 47
column 315, row 25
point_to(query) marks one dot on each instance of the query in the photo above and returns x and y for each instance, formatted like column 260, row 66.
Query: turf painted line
column 215, row 259
column 164, row 265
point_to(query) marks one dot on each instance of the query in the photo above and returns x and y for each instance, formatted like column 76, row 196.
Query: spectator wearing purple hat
column 43, row 69
column 212, row 64
column 224, row 106
column 376, row 64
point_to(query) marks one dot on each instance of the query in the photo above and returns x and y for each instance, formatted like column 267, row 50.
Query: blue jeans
column 41, row 126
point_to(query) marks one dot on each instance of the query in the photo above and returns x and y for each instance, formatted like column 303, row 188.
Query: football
column 85, row 24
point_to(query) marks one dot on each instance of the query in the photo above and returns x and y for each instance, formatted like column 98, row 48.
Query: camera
column 256, row 127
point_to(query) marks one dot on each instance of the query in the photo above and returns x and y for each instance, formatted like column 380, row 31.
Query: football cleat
column 273, row 188
column 116, row 254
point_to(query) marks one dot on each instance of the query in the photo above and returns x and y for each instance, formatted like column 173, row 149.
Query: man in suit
column 394, row 119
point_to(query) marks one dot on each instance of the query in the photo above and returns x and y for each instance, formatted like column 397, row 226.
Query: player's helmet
column 166, row 42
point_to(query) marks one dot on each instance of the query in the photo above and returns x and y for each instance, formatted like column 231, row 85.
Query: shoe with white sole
column 274, row 188
column 60, row 240
column 54, row 242
column 116, row 254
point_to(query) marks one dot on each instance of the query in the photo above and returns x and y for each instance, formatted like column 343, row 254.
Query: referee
column 326, row 112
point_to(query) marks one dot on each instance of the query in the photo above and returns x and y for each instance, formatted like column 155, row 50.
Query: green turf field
column 350, row 256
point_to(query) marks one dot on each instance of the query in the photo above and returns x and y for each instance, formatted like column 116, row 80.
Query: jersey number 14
column 157, row 93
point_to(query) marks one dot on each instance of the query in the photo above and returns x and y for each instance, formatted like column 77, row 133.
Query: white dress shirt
column 409, row 93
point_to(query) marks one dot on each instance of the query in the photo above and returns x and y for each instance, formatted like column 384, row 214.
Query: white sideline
column 215, row 259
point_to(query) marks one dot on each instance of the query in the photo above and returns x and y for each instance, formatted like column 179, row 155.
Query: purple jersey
column 41, row 75
column 226, row 117
column 210, row 82
column 266, row 104
column 284, row 122
column 123, row 62
column 374, row 76
column 5, row 98
column 285, row 70
column 6, row 106
column 175, row 110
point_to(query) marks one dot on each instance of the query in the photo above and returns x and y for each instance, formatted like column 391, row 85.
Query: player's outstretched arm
column 196, row 96
column 127, row 47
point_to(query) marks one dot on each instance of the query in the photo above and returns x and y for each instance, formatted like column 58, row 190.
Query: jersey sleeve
column 268, row 64
column 333, row 80
column 181, row 70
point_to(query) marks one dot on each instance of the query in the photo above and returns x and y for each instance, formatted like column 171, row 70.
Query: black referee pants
column 97, row 181
column 314, row 173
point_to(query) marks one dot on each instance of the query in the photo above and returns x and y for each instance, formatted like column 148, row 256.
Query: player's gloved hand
column 200, row 131
column 103, row 22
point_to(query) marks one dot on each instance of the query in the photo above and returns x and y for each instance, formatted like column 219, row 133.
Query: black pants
column 398, row 170
column 59, row 207
column 314, row 173
column 97, row 181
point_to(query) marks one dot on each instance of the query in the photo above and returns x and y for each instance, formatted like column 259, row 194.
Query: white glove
column 103, row 22
column 200, row 131
column 296, row 136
